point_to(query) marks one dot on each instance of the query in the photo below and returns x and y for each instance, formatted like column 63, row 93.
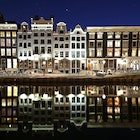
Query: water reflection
column 56, row 108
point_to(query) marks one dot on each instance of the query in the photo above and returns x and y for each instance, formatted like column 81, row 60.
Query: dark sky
column 73, row 12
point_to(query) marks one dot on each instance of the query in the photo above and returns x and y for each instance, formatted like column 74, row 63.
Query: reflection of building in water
column 9, row 107
column 113, row 104
column 51, row 108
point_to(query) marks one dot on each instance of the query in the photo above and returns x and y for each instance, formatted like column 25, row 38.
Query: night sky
column 73, row 12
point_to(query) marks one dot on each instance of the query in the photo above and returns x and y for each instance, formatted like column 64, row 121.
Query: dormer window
column 78, row 32
column 61, row 32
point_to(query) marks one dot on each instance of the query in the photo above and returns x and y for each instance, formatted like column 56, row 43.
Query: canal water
column 58, row 112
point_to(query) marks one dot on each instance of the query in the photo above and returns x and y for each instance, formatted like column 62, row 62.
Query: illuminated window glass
column 9, row 102
column 125, row 52
column 7, row 34
column 117, row 52
column 109, row 43
column 99, row 35
column 117, row 35
column 99, row 52
column 110, row 35
column 2, row 42
column 13, row 34
column 9, row 91
column 138, row 52
column 2, row 52
column 8, row 52
column 9, row 120
column 134, row 50
column 13, row 42
column 14, row 102
column 91, row 35
column 117, row 43
column 2, row 34
column 8, row 42
column 14, row 52
column 109, row 52
column 15, row 91
column 9, row 64
column 3, row 102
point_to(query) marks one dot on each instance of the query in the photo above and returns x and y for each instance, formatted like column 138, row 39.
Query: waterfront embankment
column 58, row 79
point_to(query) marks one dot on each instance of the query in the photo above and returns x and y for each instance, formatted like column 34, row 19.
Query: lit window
column 8, row 52
column 117, row 52
column 117, row 35
column 2, row 42
column 117, row 43
column 2, row 34
column 13, row 34
column 109, row 43
column 14, row 63
column 9, row 102
column 8, row 42
column 7, row 34
column 91, row 35
column 109, row 52
column 110, row 35
column 15, row 91
column 99, row 35
column 2, row 52
column 9, row 63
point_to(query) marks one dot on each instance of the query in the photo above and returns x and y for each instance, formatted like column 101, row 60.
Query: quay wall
column 70, row 80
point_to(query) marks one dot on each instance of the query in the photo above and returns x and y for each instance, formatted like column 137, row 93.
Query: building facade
column 113, row 48
column 39, row 48
column 8, row 47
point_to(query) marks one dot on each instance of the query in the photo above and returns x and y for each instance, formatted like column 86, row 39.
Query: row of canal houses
column 42, row 47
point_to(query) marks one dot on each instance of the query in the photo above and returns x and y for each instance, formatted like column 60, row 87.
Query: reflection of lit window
column 3, row 102
column 9, row 102
column 9, row 91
